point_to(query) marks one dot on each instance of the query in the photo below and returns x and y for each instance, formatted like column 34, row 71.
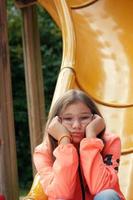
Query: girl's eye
column 85, row 117
column 67, row 118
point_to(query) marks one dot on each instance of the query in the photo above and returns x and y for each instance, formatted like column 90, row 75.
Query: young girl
column 78, row 159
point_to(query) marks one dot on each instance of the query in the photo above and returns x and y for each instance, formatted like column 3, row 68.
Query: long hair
column 70, row 97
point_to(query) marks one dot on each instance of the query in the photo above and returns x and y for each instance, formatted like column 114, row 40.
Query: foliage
column 50, row 39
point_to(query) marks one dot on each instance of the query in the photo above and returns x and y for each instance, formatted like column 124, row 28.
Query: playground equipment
column 97, row 58
column 8, row 161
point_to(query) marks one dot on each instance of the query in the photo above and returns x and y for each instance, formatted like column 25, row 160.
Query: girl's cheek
column 84, row 128
column 67, row 127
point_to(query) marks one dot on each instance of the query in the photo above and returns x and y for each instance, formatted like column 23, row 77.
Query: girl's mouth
column 77, row 134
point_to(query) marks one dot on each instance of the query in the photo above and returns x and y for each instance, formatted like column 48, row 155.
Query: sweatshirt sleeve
column 58, row 179
column 100, row 166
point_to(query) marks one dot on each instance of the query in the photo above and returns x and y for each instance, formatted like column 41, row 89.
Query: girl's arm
column 58, row 179
column 100, row 169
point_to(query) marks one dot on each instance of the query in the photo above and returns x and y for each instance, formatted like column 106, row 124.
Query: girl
column 78, row 159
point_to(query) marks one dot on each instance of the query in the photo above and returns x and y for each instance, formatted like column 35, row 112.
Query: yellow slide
column 98, row 58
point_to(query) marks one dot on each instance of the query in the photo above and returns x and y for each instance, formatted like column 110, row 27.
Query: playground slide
column 97, row 58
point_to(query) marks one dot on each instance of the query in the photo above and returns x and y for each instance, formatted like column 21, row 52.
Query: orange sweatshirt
column 98, row 162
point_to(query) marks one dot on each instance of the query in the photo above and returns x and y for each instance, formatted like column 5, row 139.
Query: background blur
column 51, row 44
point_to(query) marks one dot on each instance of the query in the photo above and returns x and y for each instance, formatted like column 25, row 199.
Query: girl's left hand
column 95, row 127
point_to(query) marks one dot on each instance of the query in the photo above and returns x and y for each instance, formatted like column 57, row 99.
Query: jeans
column 107, row 194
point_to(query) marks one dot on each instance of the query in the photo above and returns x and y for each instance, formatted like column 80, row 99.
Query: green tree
column 50, row 39
column 51, row 48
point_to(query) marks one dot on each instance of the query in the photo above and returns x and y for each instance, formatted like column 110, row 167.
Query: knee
column 107, row 194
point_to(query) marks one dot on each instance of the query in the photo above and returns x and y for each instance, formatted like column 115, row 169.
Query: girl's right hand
column 56, row 129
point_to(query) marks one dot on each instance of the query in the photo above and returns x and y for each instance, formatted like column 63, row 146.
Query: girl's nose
column 76, row 124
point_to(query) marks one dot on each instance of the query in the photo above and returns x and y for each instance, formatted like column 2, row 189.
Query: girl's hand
column 95, row 127
column 56, row 129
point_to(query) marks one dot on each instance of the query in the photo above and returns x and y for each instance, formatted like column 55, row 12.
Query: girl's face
column 75, row 118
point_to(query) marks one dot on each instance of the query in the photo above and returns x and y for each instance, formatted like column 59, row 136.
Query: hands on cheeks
column 95, row 126
column 57, row 130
